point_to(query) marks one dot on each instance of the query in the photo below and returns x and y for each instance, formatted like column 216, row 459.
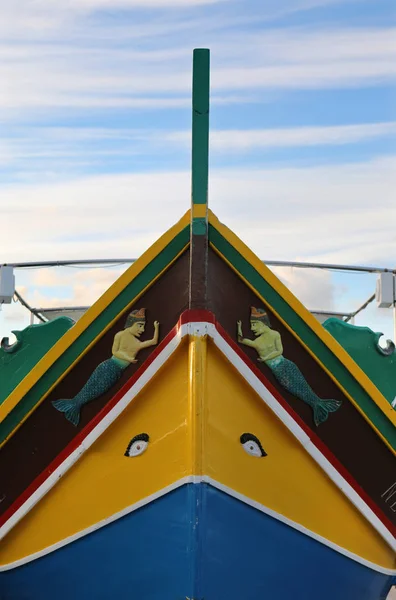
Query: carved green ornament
column 361, row 343
column 18, row 359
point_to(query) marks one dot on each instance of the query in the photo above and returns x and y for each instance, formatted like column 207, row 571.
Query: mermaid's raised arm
column 243, row 340
column 154, row 339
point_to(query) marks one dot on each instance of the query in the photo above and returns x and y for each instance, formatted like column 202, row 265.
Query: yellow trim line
column 89, row 317
column 363, row 380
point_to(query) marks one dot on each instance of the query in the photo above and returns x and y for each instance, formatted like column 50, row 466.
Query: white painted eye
column 251, row 444
column 137, row 448
column 252, row 448
column 137, row 445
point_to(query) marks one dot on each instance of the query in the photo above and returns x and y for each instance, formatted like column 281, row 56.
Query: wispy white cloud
column 42, row 148
column 308, row 45
column 38, row 19
column 94, row 5
column 55, row 288
column 76, row 218
column 15, row 317
column 309, row 75
column 53, row 75
column 322, row 214
column 83, row 286
column 314, row 288
column 63, row 59
column 243, row 140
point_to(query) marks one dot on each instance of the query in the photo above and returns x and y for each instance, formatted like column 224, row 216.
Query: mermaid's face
column 258, row 327
column 137, row 328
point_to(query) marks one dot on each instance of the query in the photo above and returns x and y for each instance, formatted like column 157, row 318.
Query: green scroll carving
column 362, row 344
column 32, row 343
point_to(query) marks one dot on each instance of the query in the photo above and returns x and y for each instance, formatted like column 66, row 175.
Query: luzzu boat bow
column 197, row 434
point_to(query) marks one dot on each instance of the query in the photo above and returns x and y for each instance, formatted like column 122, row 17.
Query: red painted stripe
column 191, row 316
column 79, row 438
column 315, row 439
column 197, row 316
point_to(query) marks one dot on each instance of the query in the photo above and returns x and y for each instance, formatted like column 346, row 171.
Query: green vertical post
column 200, row 133
column 199, row 179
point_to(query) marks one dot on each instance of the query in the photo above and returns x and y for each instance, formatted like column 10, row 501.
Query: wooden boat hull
column 195, row 516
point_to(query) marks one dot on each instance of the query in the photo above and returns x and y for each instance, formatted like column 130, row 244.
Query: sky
column 95, row 147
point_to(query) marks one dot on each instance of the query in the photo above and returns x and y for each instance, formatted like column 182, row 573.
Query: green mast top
column 199, row 180
column 200, row 130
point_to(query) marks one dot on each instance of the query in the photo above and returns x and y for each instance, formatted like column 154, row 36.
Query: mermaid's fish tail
column 71, row 409
column 291, row 378
column 102, row 379
column 322, row 408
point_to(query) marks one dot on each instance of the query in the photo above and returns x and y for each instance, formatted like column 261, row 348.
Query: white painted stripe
column 197, row 329
column 259, row 387
column 92, row 436
column 302, row 437
column 102, row 523
column 195, row 479
column 297, row 526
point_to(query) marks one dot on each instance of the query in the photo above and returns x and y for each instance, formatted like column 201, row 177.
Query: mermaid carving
column 268, row 345
column 125, row 348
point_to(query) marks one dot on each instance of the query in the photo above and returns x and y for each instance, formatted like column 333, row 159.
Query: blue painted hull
column 155, row 553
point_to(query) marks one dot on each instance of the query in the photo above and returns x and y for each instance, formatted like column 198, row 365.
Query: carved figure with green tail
column 268, row 345
column 125, row 348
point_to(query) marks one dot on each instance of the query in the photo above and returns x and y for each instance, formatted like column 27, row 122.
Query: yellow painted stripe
column 287, row 480
column 197, row 397
column 66, row 371
column 87, row 319
column 104, row 481
column 329, row 373
column 306, row 316
column 199, row 210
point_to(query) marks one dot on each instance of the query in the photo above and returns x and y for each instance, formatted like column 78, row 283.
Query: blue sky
column 95, row 118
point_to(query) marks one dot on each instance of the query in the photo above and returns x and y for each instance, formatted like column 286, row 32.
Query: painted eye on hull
column 252, row 445
column 137, row 445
